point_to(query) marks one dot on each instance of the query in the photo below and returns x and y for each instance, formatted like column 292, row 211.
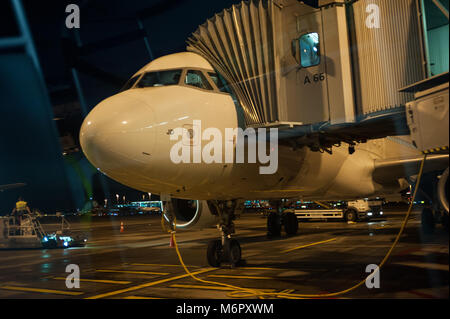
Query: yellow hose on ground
column 240, row 292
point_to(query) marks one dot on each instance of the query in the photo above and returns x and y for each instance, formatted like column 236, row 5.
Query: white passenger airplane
column 127, row 137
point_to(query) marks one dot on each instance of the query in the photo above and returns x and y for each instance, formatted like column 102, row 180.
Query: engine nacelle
column 192, row 214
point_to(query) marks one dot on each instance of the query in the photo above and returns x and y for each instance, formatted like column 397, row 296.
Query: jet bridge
column 326, row 74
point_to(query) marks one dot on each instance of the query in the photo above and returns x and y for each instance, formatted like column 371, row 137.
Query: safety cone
column 172, row 243
column 121, row 227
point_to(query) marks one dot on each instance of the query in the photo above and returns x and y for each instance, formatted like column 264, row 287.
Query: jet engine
column 192, row 214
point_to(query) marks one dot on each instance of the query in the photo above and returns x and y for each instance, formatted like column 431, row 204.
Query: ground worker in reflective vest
column 20, row 209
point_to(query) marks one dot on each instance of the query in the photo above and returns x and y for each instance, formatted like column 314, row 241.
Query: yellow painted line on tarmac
column 46, row 291
column 309, row 245
column 158, row 265
column 241, row 277
column 423, row 265
column 115, row 282
column 277, row 190
column 149, row 284
column 140, row 297
column 200, row 287
column 213, row 287
column 133, row 272
column 286, row 291
column 289, row 297
column 258, row 268
column 161, row 265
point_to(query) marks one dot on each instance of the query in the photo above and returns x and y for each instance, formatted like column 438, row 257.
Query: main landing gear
column 278, row 219
column 225, row 250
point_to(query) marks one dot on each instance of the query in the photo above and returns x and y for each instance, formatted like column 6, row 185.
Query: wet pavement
column 324, row 257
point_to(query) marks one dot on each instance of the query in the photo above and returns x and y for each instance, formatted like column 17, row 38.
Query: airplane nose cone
column 118, row 133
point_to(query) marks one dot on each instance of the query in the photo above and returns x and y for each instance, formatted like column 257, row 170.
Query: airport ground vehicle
column 31, row 234
column 353, row 211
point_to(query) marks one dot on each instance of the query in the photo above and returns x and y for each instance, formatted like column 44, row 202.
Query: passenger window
column 197, row 79
column 309, row 50
column 220, row 82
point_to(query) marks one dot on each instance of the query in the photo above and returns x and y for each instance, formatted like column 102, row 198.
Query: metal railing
column 29, row 226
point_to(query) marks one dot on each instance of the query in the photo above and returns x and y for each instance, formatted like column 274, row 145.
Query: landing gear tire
column 351, row 215
column 214, row 253
column 273, row 224
column 232, row 252
column 428, row 222
column 290, row 223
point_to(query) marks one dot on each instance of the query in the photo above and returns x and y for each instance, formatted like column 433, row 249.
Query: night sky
column 168, row 24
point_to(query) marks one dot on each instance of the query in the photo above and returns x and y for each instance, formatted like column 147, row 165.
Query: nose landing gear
column 230, row 253
column 227, row 250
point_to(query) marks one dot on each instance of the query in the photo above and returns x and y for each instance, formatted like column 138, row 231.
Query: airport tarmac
column 324, row 257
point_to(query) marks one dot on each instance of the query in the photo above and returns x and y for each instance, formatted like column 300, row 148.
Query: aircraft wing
column 11, row 186
column 322, row 136
column 387, row 170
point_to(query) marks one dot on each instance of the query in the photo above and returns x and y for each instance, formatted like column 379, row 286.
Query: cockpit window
column 160, row 78
column 197, row 79
column 130, row 83
column 220, row 82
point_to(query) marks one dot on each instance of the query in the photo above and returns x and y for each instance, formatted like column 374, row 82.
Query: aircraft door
column 311, row 78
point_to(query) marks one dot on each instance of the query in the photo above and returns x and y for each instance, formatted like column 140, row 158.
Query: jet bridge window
column 309, row 50
column 197, row 79
column 160, row 78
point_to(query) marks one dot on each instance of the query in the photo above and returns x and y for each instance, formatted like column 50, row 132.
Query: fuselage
column 132, row 136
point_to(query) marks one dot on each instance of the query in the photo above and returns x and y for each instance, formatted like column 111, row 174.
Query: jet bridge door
column 307, row 97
